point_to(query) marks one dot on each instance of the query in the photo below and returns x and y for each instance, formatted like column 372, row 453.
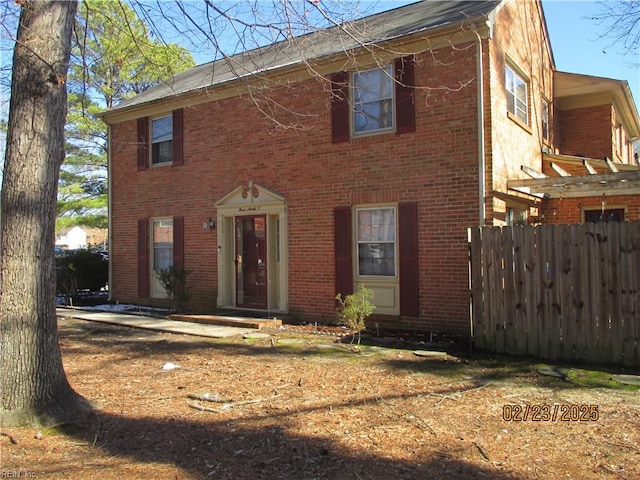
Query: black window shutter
column 178, row 142
column 143, row 143
column 405, row 95
column 408, row 253
column 339, row 107
column 143, row 258
column 342, row 250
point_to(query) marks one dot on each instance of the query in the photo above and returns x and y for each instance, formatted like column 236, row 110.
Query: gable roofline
column 403, row 30
column 543, row 17
column 573, row 90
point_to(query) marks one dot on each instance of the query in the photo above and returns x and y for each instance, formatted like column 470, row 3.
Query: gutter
column 482, row 168
column 109, row 196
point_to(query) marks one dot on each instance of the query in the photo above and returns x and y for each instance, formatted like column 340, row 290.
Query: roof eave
column 406, row 44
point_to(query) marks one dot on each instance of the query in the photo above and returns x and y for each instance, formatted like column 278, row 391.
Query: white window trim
column 357, row 242
column 157, row 291
column 517, row 75
column 352, row 113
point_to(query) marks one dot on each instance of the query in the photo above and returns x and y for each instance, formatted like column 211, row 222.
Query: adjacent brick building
column 310, row 167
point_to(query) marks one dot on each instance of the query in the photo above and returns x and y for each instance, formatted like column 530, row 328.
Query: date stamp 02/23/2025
column 558, row 412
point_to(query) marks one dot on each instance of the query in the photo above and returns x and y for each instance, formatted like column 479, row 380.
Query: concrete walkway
column 157, row 324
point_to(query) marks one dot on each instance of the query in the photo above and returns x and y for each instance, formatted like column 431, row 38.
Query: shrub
column 174, row 281
column 81, row 270
column 355, row 308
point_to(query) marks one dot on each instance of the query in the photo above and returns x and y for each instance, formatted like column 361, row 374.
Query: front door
column 251, row 261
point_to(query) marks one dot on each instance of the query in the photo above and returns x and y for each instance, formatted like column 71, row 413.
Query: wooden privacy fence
column 559, row 292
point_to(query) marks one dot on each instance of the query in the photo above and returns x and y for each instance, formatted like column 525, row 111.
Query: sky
column 579, row 47
column 578, row 42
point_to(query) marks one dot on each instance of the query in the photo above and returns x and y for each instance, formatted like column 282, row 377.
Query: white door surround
column 251, row 200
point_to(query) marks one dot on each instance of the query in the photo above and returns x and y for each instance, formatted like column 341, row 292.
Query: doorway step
column 229, row 321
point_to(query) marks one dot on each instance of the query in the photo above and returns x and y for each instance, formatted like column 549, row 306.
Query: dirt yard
column 299, row 406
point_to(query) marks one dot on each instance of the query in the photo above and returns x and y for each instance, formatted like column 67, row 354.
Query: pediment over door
column 250, row 194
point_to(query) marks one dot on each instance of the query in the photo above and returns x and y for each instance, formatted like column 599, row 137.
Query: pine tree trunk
column 33, row 385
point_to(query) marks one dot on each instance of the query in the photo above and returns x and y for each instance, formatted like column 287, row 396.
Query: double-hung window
column 517, row 95
column 162, row 244
column 373, row 100
column 162, row 140
column 376, row 234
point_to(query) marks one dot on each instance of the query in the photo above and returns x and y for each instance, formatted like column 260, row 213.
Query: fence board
column 520, row 301
column 577, row 321
column 565, row 308
column 553, row 335
column 544, row 302
column 477, row 319
column 628, row 293
column 531, row 270
column 508, row 288
column 497, row 296
column 614, row 303
column 594, row 288
column 487, row 273
column 567, row 292
column 600, row 288
column 632, row 343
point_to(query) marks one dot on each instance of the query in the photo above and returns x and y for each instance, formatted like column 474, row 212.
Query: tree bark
column 33, row 385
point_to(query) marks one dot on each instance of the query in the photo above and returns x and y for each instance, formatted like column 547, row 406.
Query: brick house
column 289, row 173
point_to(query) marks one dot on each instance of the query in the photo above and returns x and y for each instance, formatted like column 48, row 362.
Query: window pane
column 373, row 116
column 607, row 215
column 511, row 103
column 517, row 95
column 373, row 100
column 162, row 140
column 376, row 259
column 162, row 257
column 162, row 244
column 162, row 129
column 162, row 152
column 377, row 225
column 376, row 241
column 545, row 120
column 509, row 80
column 372, row 85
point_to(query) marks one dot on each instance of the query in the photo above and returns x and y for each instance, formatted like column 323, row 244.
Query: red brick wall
column 229, row 142
column 569, row 210
column 586, row 131
column 514, row 144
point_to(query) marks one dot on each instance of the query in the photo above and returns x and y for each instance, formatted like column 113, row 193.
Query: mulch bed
column 298, row 405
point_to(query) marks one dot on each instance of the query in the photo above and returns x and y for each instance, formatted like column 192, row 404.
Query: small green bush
column 174, row 281
column 355, row 308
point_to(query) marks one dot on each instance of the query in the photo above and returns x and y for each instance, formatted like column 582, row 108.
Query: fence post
column 478, row 327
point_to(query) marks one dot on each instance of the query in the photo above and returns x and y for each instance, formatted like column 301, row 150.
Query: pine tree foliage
column 114, row 57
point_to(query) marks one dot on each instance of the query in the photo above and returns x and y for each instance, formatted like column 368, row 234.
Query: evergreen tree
column 113, row 58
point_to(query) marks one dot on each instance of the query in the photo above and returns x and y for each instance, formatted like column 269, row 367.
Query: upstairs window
column 373, row 100
column 517, row 96
column 368, row 102
column 162, row 140
column 545, row 120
